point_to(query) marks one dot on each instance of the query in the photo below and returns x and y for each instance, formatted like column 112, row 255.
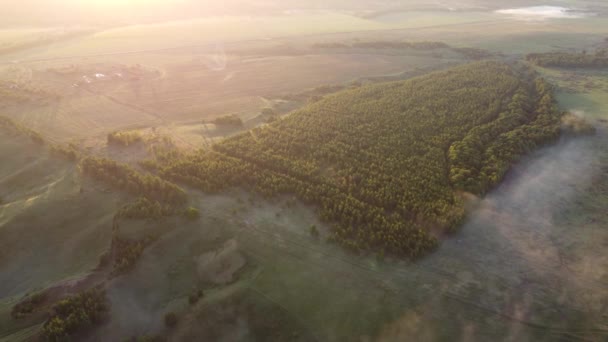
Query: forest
column 385, row 163
column 570, row 60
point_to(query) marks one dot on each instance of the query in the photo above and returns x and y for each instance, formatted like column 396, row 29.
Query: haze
column 336, row 170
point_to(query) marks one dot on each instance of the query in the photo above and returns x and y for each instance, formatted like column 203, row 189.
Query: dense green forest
column 385, row 162
column 570, row 60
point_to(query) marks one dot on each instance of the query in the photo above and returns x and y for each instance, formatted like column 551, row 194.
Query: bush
column 192, row 214
column 124, row 138
column 314, row 231
column 27, row 305
column 268, row 111
column 194, row 297
column 171, row 319
column 228, row 120
column 127, row 253
column 143, row 208
column 68, row 152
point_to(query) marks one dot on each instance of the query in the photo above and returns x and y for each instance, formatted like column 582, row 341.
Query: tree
column 268, row 111
column 192, row 213
column 314, row 232
column 170, row 319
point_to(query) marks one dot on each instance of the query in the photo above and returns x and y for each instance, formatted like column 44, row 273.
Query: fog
column 542, row 12
column 530, row 258
column 64, row 13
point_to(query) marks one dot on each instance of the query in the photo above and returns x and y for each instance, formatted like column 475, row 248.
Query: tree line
column 598, row 59
column 422, row 45
column 125, row 177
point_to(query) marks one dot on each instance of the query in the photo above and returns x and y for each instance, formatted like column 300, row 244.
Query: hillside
column 385, row 163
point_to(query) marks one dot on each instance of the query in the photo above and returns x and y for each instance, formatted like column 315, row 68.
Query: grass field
column 52, row 223
column 528, row 265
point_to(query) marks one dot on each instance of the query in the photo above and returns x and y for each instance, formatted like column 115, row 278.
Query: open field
column 53, row 223
column 236, row 70
column 528, row 264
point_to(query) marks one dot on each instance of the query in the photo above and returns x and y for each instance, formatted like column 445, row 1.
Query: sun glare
column 123, row 3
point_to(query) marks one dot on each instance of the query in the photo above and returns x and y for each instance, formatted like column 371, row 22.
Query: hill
column 386, row 163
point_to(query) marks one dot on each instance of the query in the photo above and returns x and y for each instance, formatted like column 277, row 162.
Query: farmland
column 328, row 171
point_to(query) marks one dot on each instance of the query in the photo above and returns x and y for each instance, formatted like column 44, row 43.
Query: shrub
column 27, row 305
column 171, row 319
column 314, row 231
column 228, row 120
column 124, row 138
column 192, row 213
column 268, row 111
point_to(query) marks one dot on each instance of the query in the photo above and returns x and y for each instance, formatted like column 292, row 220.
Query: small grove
column 384, row 163
column 75, row 314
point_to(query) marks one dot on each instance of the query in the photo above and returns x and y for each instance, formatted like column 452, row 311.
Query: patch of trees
column 599, row 59
column 314, row 94
column 423, row 45
column 69, row 151
column 124, row 138
column 127, row 253
column 143, row 208
column 170, row 319
column 124, row 177
column 28, row 305
column 75, row 314
column 228, row 120
column 192, row 214
column 383, row 163
column 193, row 298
